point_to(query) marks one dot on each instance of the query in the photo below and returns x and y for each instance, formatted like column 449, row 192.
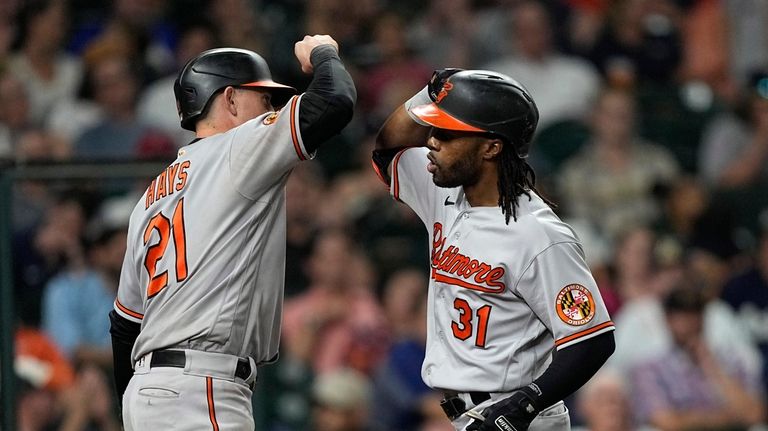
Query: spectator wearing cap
column 50, row 395
column 692, row 385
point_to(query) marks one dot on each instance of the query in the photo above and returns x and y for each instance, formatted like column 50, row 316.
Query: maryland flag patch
column 574, row 305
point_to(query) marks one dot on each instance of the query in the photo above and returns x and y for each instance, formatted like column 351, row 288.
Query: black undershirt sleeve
column 328, row 103
column 124, row 334
column 573, row 366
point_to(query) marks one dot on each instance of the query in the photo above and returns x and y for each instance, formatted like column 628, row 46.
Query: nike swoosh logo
column 448, row 202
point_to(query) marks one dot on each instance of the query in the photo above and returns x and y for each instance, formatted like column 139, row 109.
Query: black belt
column 178, row 359
column 454, row 406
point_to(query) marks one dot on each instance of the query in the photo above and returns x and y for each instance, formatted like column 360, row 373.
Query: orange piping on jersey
column 127, row 311
column 461, row 283
column 378, row 173
column 396, row 177
column 211, row 408
column 294, row 135
column 583, row 333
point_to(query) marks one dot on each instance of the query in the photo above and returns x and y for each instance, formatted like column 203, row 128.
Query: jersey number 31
column 165, row 228
column 463, row 328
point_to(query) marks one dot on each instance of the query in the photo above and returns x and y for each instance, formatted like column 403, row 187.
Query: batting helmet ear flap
column 205, row 75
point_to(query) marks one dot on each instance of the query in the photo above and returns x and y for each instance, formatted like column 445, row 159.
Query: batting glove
column 510, row 414
column 438, row 80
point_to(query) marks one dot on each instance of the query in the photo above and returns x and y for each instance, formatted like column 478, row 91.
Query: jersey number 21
column 165, row 228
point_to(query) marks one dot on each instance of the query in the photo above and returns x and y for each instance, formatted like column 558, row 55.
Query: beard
column 461, row 173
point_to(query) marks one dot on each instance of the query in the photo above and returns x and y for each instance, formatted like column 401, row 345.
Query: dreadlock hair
column 516, row 178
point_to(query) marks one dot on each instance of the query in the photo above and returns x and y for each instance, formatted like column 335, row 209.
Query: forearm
column 401, row 130
column 571, row 367
column 398, row 132
column 124, row 334
column 328, row 104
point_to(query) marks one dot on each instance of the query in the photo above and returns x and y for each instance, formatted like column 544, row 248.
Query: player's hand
column 304, row 47
column 437, row 81
column 513, row 413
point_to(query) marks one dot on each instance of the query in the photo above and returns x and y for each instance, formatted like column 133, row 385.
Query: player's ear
column 493, row 148
column 229, row 100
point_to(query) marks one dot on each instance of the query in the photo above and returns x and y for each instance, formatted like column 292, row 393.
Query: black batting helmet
column 484, row 101
column 218, row 68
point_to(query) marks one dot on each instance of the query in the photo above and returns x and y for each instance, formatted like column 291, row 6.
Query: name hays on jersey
column 173, row 178
column 450, row 266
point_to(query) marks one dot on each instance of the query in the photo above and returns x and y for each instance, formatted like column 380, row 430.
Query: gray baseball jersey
column 501, row 297
column 205, row 260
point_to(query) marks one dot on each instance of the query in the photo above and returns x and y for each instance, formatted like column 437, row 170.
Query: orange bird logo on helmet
column 444, row 92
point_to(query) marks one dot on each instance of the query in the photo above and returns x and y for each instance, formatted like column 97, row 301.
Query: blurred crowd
column 653, row 140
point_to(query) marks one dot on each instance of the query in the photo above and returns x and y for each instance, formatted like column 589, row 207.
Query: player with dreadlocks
column 515, row 319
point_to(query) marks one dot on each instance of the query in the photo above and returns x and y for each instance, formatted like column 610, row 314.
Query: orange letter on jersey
column 182, row 175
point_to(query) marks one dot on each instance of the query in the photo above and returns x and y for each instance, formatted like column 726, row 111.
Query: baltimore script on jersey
column 451, row 261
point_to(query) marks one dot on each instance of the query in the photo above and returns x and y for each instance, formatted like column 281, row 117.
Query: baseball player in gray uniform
column 199, row 304
column 515, row 320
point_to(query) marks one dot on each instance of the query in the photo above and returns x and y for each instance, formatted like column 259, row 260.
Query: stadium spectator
column 14, row 113
column 397, row 74
column 734, row 147
column 747, row 293
column 397, row 385
column 157, row 103
column 610, row 181
column 49, row 74
column 692, row 385
column 604, row 404
column 142, row 25
column 564, row 87
column 748, row 37
column 640, row 330
column 445, row 34
column 76, row 301
column 119, row 134
column 51, row 396
column 336, row 323
column 41, row 251
column 341, row 400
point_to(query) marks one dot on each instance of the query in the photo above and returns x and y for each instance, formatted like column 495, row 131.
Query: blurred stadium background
column 653, row 140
